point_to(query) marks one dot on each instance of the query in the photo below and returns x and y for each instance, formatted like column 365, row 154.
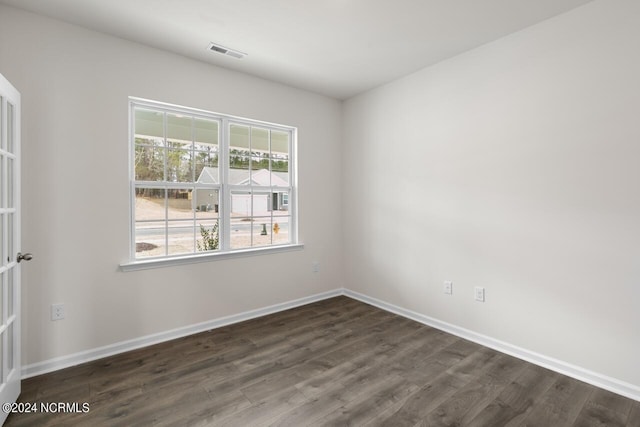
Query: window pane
column 280, row 203
column 241, row 204
column 10, row 181
column 10, row 128
column 150, row 239
column 239, row 159
column 241, row 208
column 181, row 237
column 206, row 203
column 207, row 160
column 10, row 285
column 150, row 204
column 260, row 174
column 206, row 151
column 3, row 259
column 208, row 235
column 205, row 134
column 240, row 232
column 239, row 177
column 279, row 143
column 239, row 154
column 179, row 166
column 2, row 141
column 149, row 143
column 179, row 148
column 206, row 167
column 207, row 171
column 239, row 137
column 260, row 161
column 150, row 217
column 149, row 124
column 2, row 371
column 280, row 230
column 259, row 141
column 280, row 157
column 180, row 204
column 261, row 203
column 10, row 348
column 280, row 178
column 3, row 283
column 179, row 131
column 261, row 231
column 3, row 181
column 9, row 235
column 149, row 160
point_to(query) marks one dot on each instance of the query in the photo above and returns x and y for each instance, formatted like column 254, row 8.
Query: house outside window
column 206, row 183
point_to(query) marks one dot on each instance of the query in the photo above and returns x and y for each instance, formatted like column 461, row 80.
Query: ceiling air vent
column 226, row 51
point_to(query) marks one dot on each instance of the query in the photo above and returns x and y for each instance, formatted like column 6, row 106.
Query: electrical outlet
column 57, row 311
column 448, row 287
column 479, row 293
column 315, row 267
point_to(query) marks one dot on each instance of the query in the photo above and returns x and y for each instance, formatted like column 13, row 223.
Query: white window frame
column 224, row 187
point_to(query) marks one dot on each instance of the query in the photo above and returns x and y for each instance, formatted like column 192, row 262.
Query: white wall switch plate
column 479, row 292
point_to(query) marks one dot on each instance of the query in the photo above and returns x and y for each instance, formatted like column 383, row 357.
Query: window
column 206, row 183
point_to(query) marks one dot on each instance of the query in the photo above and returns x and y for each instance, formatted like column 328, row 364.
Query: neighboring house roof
column 262, row 177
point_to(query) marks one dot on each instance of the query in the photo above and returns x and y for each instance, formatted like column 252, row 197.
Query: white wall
column 514, row 167
column 74, row 86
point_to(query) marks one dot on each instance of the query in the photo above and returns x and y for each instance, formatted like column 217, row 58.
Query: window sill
column 191, row 259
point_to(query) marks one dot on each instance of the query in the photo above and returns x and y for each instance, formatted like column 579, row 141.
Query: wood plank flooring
column 332, row 363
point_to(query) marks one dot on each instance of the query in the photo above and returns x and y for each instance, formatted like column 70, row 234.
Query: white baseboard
column 120, row 347
column 608, row 383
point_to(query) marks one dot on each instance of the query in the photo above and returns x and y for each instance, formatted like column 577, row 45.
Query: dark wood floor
column 335, row 362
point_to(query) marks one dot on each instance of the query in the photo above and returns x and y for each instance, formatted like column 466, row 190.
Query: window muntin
column 206, row 183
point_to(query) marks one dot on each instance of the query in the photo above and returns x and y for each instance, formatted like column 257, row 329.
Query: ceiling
column 337, row 48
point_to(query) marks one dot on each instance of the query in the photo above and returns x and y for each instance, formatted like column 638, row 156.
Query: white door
column 10, row 245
